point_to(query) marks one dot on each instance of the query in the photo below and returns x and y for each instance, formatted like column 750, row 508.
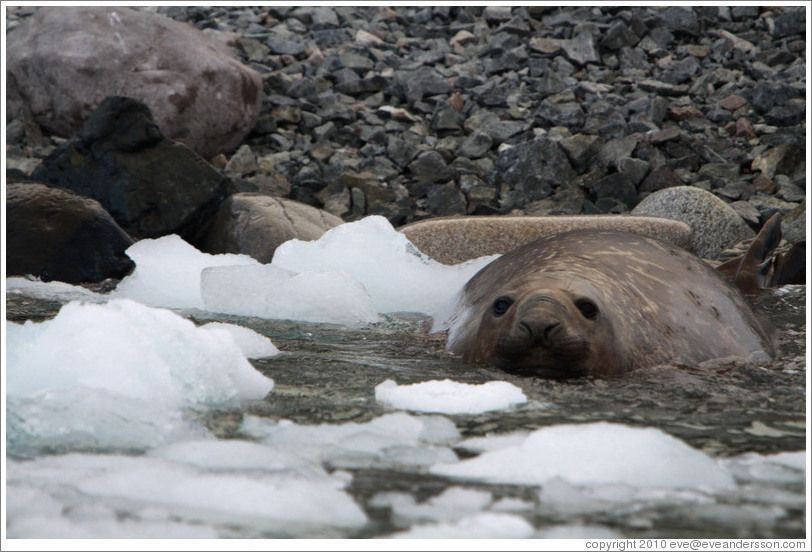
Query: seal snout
column 541, row 319
column 539, row 330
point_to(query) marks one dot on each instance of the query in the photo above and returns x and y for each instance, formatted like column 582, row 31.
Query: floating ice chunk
column 159, row 490
column 450, row 397
column 34, row 513
column 392, row 439
column 267, row 291
column 118, row 374
column 485, row 525
column 56, row 291
column 452, row 504
column 738, row 515
column 231, row 455
column 577, row 532
column 167, row 272
column 512, row 505
column 397, row 276
column 596, row 453
column 782, row 468
column 252, row 344
column 562, row 497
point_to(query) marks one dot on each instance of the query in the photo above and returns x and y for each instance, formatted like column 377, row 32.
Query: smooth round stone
column 459, row 239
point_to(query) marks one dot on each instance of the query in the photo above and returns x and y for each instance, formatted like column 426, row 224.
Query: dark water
column 327, row 374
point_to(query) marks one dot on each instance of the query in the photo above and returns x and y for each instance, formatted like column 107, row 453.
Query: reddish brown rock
column 63, row 61
column 732, row 102
column 685, row 112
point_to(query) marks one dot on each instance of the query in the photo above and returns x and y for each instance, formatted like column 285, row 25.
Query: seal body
column 603, row 303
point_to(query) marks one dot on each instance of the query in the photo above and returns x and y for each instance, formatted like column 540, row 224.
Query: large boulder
column 457, row 239
column 150, row 185
column 715, row 224
column 57, row 235
column 63, row 61
column 256, row 224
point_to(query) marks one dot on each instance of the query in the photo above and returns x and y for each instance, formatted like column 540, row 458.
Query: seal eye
column 501, row 305
column 587, row 308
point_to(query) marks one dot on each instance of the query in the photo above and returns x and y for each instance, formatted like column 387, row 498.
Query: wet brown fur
column 654, row 304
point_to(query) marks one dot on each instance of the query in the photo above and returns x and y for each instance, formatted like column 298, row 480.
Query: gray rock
column 791, row 22
column 793, row 224
column 446, row 200
column 242, row 163
column 446, row 119
column 716, row 226
column 680, row 20
column 549, row 82
column 581, row 49
column 475, row 145
column 255, row 225
column 497, row 14
column 355, row 61
column 316, row 16
column 788, row 190
column 618, row 36
column 767, row 206
column 569, row 114
column 200, row 95
column 481, row 195
column 766, row 95
column 581, row 149
column 663, row 88
column 376, row 192
column 284, row 46
column 564, row 201
column 400, row 151
column 633, row 60
column 635, row 169
column 614, row 150
column 529, row 172
column 21, row 166
column 430, row 167
column 793, row 113
column 618, row 187
column 719, row 174
column 660, row 178
column 747, row 212
column 787, row 159
column 55, row 234
column 424, row 81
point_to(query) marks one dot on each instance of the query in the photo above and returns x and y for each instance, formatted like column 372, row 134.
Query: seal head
column 604, row 303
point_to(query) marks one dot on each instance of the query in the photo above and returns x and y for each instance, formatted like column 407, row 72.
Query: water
column 333, row 439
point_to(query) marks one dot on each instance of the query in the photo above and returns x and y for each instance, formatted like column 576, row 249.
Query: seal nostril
column 548, row 331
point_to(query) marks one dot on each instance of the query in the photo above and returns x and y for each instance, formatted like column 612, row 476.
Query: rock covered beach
column 419, row 112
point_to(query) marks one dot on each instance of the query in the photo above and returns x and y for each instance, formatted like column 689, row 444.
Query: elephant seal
column 603, row 303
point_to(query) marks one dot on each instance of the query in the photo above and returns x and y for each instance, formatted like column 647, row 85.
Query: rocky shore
column 421, row 112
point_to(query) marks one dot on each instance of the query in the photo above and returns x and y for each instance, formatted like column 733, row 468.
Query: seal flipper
column 760, row 268
column 790, row 267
